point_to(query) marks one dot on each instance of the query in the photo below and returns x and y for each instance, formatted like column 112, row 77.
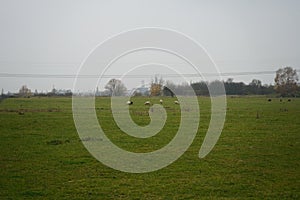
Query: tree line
column 231, row 88
column 286, row 85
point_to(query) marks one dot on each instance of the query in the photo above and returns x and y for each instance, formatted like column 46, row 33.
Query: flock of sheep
column 149, row 103
column 177, row 102
column 280, row 100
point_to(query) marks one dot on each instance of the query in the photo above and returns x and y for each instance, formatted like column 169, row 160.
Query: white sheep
column 147, row 103
column 129, row 102
column 176, row 102
column 161, row 101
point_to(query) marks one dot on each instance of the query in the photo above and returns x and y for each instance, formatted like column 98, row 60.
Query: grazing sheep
column 161, row 101
column 269, row 100
column 283, row 110
column 129, row 102
column 147, row 103
column 176, row 102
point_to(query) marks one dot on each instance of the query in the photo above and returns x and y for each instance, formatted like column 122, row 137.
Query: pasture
column 256, row 157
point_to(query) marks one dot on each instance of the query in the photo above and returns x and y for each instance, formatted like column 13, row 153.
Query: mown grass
column 256, row 157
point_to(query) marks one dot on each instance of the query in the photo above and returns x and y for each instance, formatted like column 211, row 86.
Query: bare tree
column 156, row 86
column 255, row 87
column 115, row 87
column 255, row 83
column 24, row 91
column 286, row 81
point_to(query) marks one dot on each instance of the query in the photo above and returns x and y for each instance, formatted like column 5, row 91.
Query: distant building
column 141, row 91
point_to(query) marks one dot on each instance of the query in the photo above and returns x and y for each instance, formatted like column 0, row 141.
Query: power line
column 29, row 75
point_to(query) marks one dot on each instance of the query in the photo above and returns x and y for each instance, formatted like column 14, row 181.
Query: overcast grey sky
column 53, row 37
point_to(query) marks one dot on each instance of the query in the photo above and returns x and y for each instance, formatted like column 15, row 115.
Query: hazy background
column 53, row 37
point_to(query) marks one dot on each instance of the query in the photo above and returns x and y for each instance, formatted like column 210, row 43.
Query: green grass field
column 256, row 157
